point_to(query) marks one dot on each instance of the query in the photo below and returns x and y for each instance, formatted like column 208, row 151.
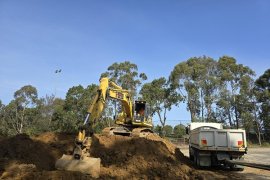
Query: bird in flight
column 58, row 71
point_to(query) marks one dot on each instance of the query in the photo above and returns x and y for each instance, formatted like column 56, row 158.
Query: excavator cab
column 141, row 115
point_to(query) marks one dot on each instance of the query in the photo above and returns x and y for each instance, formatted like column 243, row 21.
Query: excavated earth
column 24, row 157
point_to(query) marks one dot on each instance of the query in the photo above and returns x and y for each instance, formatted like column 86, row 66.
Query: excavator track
column 141, row 132
column 107, row 131
column 136, row 132
column 123, row 131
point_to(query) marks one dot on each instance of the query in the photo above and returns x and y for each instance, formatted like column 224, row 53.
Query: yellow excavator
column 133, row 120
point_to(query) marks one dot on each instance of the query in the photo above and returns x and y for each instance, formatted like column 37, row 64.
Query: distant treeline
column 213, row 91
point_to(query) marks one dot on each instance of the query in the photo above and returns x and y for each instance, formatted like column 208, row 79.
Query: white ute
column 211, row 145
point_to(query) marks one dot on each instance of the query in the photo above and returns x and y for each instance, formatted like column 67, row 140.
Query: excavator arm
column 81, row 160
column 107, row 89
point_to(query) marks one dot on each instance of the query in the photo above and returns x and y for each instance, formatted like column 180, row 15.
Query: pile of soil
column 24, row 157
column 144, row 158
column 41, row 151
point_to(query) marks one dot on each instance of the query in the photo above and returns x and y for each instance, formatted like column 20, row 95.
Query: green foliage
column 100, row 125
column 196, row 80
column 262, row 89
column 78, row 99
column 158, row 129
column 236, row 84
column 26, row 96
column 179, row 130
column 18, row 114
column 214, row 91
column 126, row 75
column 68, row 116
column 167, row 130
column 2, row 122
column 160, row 97
column 43, row 119
column 58, row 115
column 224, row 85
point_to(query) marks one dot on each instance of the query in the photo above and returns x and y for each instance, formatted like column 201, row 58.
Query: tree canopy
column 126, row 75
column 160, row 97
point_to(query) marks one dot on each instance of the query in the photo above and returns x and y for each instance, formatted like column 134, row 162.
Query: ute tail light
column 204, row 142
column 240, row 143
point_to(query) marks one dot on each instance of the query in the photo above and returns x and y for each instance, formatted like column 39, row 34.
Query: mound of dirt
column 122, row 157
column 150, row 157
column 23, row 149
column 42, row 151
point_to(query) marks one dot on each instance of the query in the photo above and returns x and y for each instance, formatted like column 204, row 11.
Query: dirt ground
column 24, row 157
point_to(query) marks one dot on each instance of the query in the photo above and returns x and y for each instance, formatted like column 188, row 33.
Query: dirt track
column 23, row 157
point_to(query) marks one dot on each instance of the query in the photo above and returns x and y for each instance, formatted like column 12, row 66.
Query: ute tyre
column 198, row 161
column 191, row 157
column 195, row 159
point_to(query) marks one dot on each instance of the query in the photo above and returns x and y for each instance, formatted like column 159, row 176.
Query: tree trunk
column 162, row 121
column 258, row 126
column 236, row 117
column 192, row 111
column 22, row 120
column 229, row 116
column 202, row 105
column 193, row 115
column 164, row 116
column 17, row 122
column 209, row 111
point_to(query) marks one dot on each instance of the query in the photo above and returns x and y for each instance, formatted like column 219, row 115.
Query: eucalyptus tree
column 179, row 130
column 196, row 79
column 248, row 107
column 3, row 124
column 18, row 113
column 43, row 118
column 126, row 75
column 233, row 84
column 160, row 97
column 76, row 105
column 262, row 87
column 1, row 110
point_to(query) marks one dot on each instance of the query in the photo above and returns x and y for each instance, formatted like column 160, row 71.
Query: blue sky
column 83, row 38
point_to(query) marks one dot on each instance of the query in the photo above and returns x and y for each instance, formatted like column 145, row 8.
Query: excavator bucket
column 87, row 165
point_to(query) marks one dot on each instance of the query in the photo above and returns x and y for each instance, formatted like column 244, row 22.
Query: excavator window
column 140, row 108
column 141, row 112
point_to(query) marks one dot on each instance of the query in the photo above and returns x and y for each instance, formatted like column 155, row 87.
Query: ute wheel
column 198, row 161
column 191, row 157
column 195, row 159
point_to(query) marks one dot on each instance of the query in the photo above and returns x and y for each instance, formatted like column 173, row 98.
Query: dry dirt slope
column 122, row 157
